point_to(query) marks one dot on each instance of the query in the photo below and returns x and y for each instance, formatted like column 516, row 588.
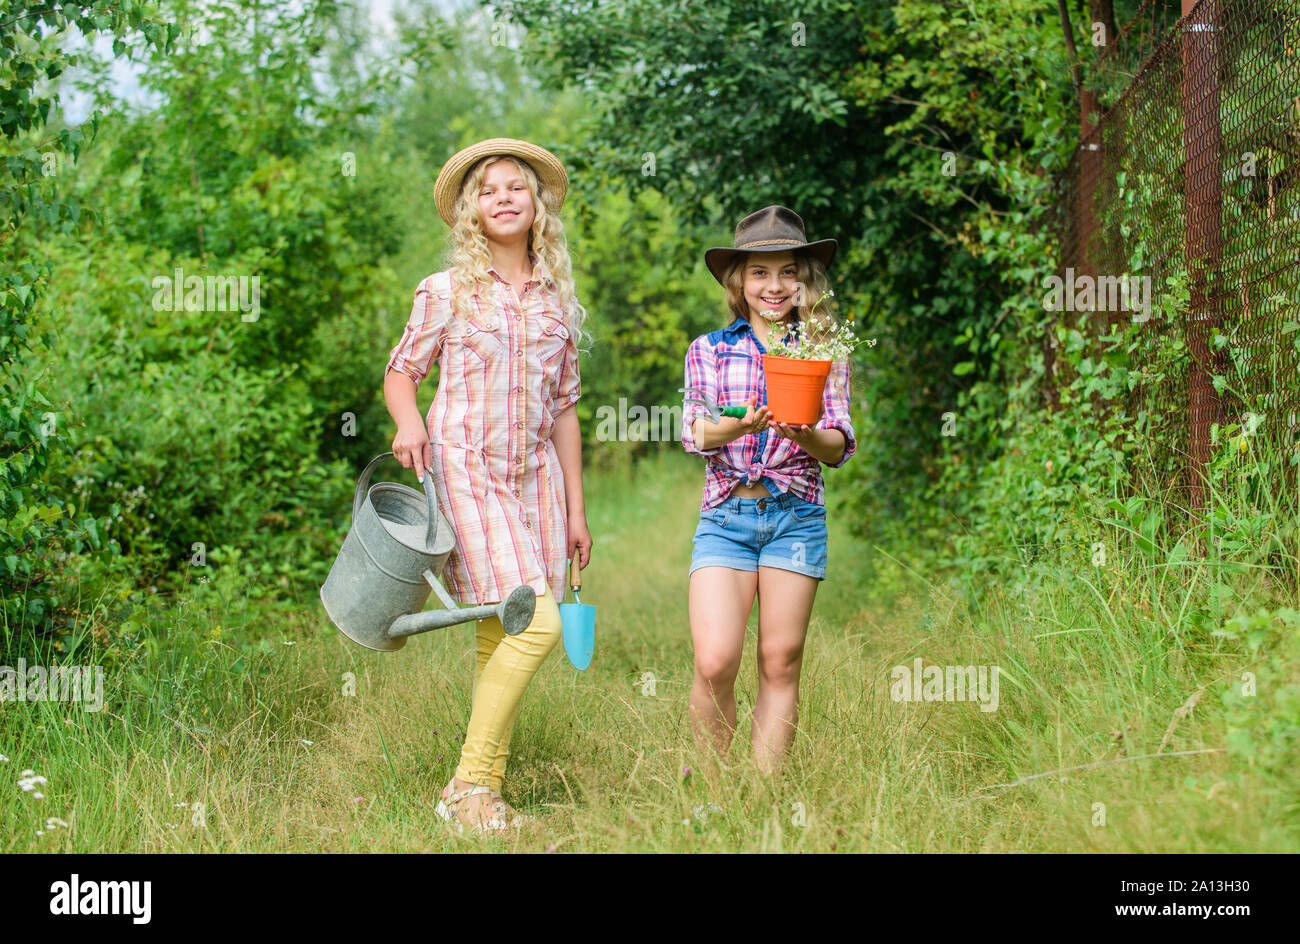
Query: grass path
column 263, row 735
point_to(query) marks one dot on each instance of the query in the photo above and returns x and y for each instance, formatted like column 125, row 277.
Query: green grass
column 214, row 708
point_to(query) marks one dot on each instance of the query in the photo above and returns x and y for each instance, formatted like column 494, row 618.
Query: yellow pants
column 506, row 664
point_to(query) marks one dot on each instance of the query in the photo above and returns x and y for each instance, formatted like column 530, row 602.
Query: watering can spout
column 515, row 613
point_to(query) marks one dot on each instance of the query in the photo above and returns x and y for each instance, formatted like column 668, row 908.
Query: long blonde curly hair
column 471, row 257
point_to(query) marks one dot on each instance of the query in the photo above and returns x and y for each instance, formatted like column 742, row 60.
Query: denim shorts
column 782, row 531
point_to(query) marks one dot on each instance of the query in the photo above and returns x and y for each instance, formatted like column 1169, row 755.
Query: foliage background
column 170, row 477
column 298, row 144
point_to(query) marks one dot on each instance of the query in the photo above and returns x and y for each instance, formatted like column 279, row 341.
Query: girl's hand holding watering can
column 411, row 447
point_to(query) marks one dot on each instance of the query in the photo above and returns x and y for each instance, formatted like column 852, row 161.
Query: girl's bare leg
column 785, row 601
column 720, row 602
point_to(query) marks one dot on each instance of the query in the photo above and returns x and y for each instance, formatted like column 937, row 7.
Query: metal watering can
column 393, row 555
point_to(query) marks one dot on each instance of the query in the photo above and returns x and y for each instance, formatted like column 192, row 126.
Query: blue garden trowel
column 578, row 622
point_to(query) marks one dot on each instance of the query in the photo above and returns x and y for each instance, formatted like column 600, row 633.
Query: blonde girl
column 501, row 439
column 762, row 530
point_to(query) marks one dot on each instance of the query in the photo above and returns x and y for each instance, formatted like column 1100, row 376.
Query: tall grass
column 214, row 707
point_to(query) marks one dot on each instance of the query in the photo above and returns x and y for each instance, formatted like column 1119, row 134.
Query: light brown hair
column 812, row 276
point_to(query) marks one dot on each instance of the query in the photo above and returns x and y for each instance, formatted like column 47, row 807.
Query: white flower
column 822, row 342
column 705, row 810
column 818, row 338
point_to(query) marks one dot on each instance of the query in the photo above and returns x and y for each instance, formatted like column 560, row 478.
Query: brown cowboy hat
column 771, row 229
column 546, row 165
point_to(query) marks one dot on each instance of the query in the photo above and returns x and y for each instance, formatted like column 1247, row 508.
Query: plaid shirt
column 505, row 373
column 727, row 365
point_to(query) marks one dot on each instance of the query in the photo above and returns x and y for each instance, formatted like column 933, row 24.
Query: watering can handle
column 430, row 496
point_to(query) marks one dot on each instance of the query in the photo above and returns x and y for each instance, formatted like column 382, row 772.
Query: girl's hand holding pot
column 800, row 432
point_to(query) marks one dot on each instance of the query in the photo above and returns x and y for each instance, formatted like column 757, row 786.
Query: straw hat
column 771, row 229
column 546, row 165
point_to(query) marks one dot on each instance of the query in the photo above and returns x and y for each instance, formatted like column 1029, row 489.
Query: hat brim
column 550, row 172
column 718, row 258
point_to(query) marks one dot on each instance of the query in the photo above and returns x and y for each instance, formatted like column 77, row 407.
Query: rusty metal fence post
column 1189, row 180
column 1090, row 166
column 1203, row 228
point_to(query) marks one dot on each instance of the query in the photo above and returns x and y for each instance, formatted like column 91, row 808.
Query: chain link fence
column 1179, row 213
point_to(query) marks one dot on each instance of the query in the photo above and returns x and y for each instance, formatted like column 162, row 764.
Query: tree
column 919, row 134
column 33, row 37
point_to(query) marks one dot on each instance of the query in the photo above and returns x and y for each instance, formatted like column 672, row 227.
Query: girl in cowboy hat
column 762, row 527
column 502, row 438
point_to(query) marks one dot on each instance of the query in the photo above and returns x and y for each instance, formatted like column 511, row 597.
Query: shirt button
column 528, row 524
column 518, row 316
column 520, row 352
column 519, row 424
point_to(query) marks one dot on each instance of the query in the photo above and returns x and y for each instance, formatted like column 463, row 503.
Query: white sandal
column 516, row 819
column 449, row 809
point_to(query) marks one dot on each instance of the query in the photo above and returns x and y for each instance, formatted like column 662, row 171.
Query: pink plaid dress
column 504, row 375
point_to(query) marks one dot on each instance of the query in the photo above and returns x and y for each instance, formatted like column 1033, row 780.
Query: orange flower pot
column 794, row 388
